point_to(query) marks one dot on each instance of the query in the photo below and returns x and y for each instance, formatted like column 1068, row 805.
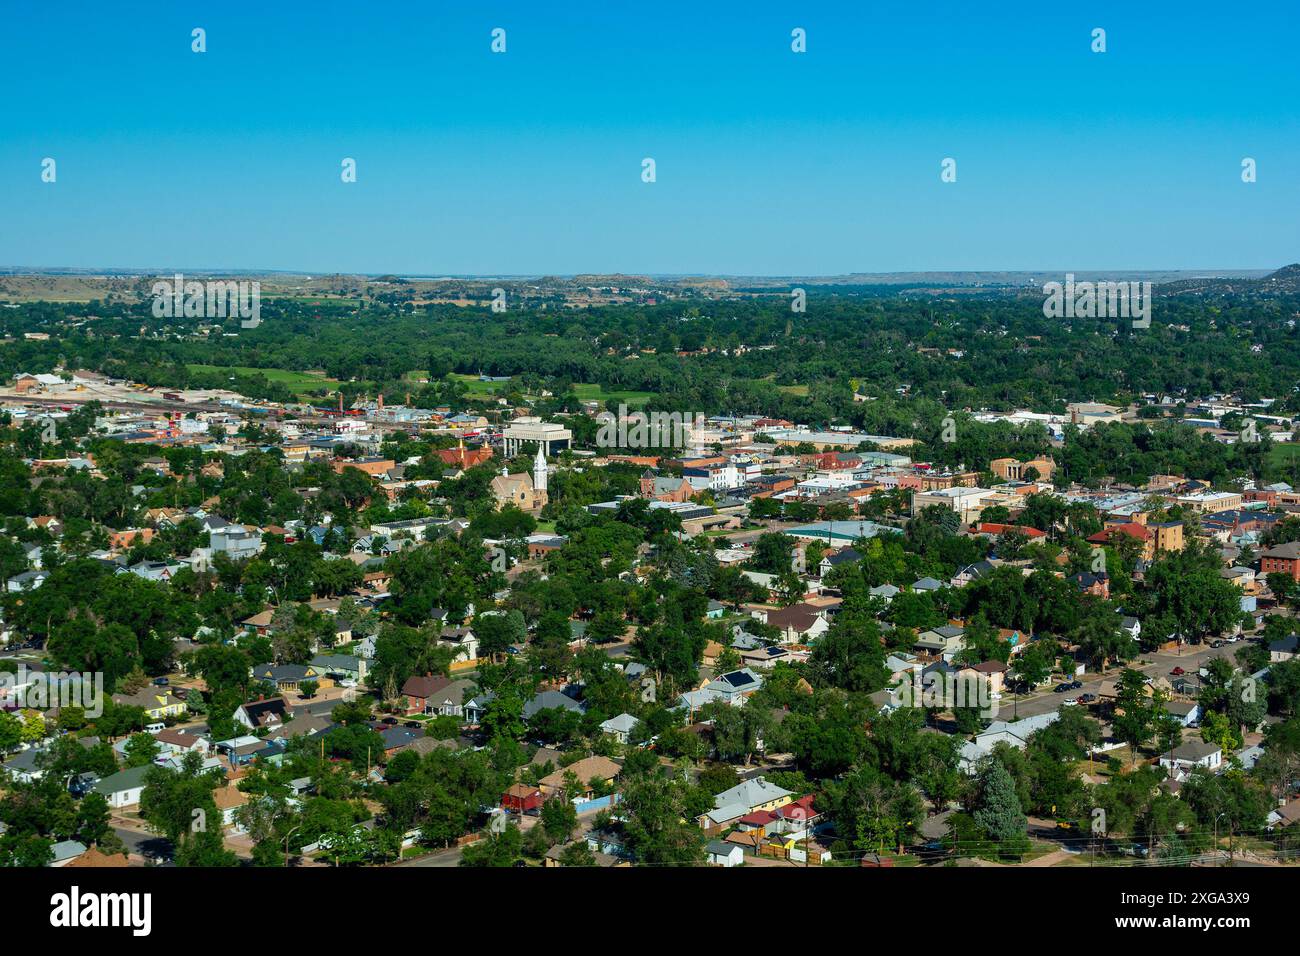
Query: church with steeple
column 526, row 492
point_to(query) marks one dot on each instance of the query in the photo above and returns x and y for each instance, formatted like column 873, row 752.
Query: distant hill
column 1284, row 280
column 134, row 285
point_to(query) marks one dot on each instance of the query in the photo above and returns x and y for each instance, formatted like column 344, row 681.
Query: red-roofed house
column 764, row 820
column 419, row 692
column 521, row 798
column 993, row 528
column 796, row 816
column 463, row 457
column 1129, row 529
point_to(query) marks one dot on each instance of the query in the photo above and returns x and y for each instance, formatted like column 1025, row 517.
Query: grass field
column 597, row 393
column 298, row 382
column 585, row 391
column 474, row 387
column 1284, row 455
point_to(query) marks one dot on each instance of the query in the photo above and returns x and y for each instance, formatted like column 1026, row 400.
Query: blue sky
column 768, row 162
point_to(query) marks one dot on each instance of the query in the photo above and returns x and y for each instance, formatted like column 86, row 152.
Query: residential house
column 833, row 559
column 259, row 623
column 600, row 771
column 619, row 727
column 341, row 667
column 158, row 702
column 1096, row 583
column 175, row 740
column 744, row 798
column 521, row 798
column 944, row 642
column 236, row 542
column 1283, row 559
column 735, row 685
column 721, row 853
column 552, row 699
column 797, row 624
column 991, row 673
column 287, row 678
column 24, row 768
column 436, row 695
column 123, row 789
column 1283, row 649
column 26, row 581
column 153, row 570
column 971, row 573
column 461, row 640
column 229, row 799
column 1186, row 712
column 1016, row 733
column 65, row 851
column 269, row 713
column 1193, row 753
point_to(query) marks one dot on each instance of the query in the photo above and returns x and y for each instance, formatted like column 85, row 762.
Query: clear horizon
column 768, row 163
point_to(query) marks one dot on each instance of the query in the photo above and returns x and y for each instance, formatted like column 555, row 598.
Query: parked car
column 160, row 682
column 1070, row 702
column 1177, row 672
column 1075, row 684
column 929, row 851
column 1060, row 688
column 1137, row 849
column 82, row 784
column 1087, row 698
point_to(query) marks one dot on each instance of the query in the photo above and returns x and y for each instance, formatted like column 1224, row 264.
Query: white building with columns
column 549, row 437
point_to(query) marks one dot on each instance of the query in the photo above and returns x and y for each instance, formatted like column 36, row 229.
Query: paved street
column 1160, row 663
column 441, row 858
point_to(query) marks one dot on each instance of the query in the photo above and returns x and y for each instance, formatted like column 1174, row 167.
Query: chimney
column 381, row 401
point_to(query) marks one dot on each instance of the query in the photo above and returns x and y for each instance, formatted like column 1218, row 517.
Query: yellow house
column 157, row 702
column 744, row 798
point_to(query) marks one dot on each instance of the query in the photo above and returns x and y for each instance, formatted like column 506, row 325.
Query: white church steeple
column 539, row 471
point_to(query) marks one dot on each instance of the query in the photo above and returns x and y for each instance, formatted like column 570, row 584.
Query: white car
column 1070, row 702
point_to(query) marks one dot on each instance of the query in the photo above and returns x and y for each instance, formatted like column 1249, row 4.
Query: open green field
column 298, row 382
column 474, row 387
column 1284, row 454
column 597, row 393
column 318, row 299
column 586, row 391
column 799, row 391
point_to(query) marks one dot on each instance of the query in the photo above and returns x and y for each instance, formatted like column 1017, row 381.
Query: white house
column 1194, row 753
column 724, row 854
column 619, row 727
column 122, row 789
